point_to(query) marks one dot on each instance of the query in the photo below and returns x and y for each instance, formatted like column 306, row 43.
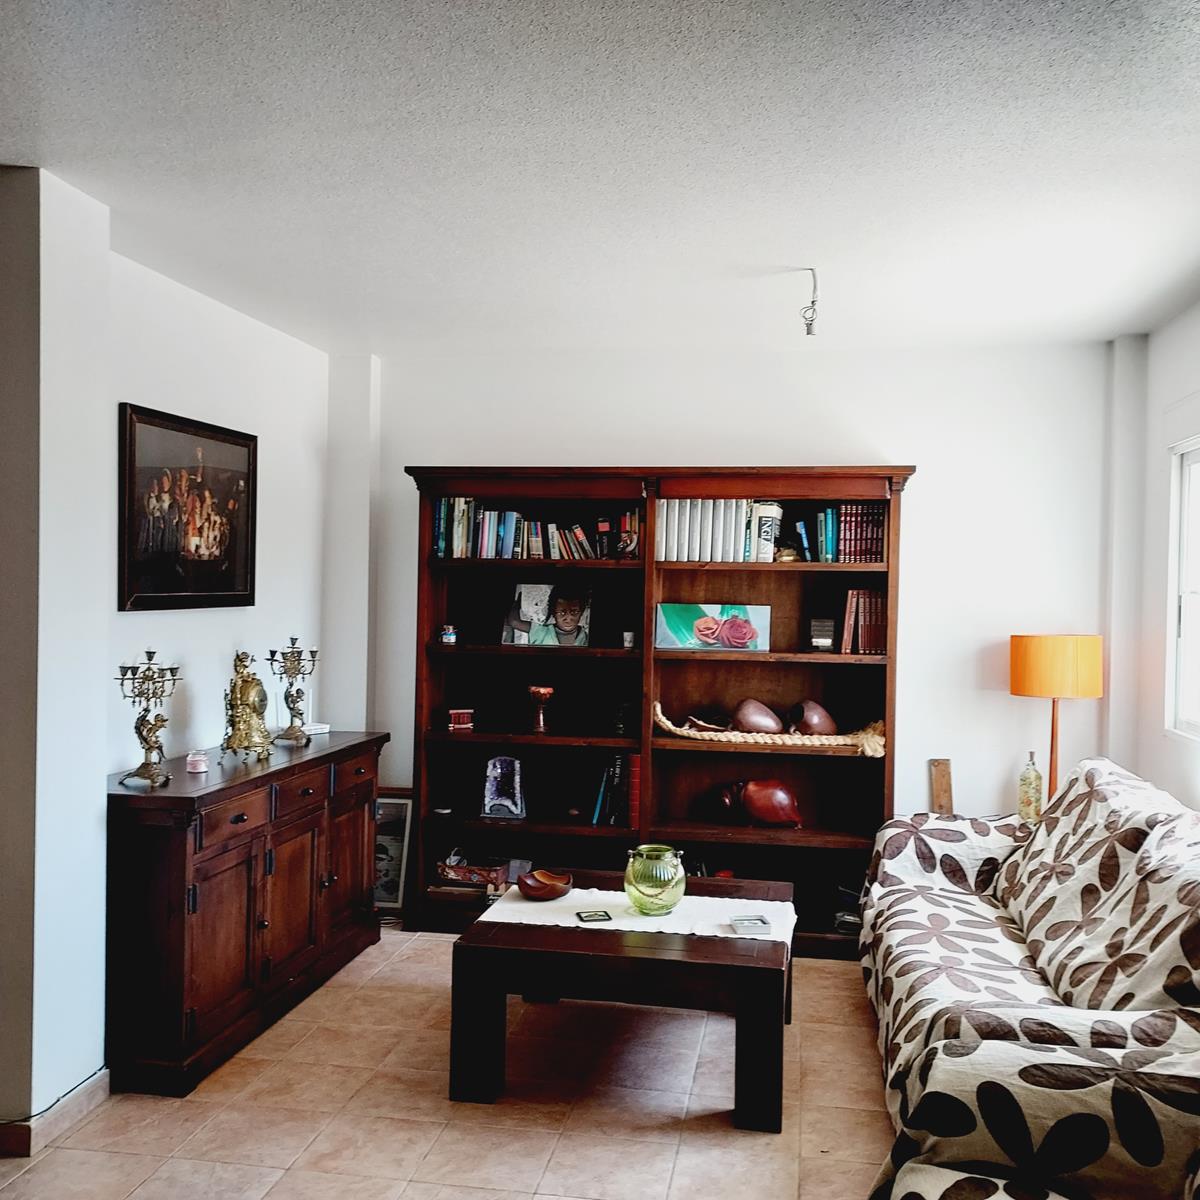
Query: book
column 660, row 530
column 693, row 554
column 600, row 796
column 685, row 520
column 634, row 807
column 805, row 548
column 552, row 547
column 605, row 546
column 706, row 531
column 718, row 532
column 672, row 551
column 582, row 541
column 741, row 523
column 848, row 621
column 768, row 521
column 536, row 547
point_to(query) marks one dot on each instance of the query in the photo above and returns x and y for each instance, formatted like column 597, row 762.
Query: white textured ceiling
column 376, row 173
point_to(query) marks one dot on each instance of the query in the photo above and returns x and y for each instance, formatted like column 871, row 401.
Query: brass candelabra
column 293, row 664
column 146, row 685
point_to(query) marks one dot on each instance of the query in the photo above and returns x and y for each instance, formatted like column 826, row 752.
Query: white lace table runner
column 705, row 915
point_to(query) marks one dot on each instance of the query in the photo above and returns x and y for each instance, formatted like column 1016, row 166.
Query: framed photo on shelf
column 393, row 823
column 713, row 627
column 186, row 513
column 544, row 614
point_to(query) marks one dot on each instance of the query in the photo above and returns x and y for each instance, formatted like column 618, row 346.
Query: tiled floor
column 345, row 1099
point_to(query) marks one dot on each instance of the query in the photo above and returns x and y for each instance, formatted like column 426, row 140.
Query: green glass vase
column 655, row 879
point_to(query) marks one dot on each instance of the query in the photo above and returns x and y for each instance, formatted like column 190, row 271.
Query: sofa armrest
column 959, row 853
column 1064, row 1118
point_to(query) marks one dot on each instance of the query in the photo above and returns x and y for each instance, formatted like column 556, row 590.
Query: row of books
column 463, row 528
column 619, row 800
column 847, row 533
column 864, row 628
column 717, row 530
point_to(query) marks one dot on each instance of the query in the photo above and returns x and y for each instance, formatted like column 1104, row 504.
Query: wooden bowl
column 543, row 885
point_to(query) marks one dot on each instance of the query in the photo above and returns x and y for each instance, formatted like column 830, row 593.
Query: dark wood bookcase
column 604, row 693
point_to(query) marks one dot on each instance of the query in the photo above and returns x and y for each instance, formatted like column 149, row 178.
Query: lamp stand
column 1053, row 781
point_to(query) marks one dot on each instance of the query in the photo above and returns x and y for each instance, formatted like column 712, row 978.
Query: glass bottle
column 655, row 879
column 1029, row 792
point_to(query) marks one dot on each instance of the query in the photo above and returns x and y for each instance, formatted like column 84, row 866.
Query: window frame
column 1183, row 455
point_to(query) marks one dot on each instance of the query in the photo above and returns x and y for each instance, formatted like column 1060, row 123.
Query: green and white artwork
column 713, row 627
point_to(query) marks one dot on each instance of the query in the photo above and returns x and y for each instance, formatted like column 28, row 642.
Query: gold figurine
column 146, row 685
column 291, row 664
column 245, row 704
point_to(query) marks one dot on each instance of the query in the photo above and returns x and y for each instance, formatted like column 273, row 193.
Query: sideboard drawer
column 301, row 792
column 355, row 770
column 233, row 818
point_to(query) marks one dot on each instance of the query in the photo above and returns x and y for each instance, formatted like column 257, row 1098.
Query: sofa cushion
column 1095, row 891
column 1082, row 1122
column 923, row 1181
column 930, row 950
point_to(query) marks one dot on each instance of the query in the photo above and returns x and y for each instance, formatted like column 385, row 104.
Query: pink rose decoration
column 736, row 632
column 707, row 630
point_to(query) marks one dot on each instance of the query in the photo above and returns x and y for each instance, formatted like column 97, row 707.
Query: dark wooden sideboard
column 231, row 896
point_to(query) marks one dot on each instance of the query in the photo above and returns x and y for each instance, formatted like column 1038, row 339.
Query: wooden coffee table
column 748, row 977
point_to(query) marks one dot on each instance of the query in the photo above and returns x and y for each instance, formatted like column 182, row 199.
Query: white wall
column 1173, row 415
column 1002, row 522
column 177, row 350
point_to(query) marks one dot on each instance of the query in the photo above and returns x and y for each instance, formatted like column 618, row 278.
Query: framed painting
column 186, row 515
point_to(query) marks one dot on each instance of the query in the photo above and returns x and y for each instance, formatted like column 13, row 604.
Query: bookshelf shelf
column 536, row 564
column 835, row 567
column 530, row 739
column 824, row 660
column 519, row 652
column 825, row 839
column 657, row 786
column 687, row 746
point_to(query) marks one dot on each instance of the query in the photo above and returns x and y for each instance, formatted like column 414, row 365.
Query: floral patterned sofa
column 1038, row 996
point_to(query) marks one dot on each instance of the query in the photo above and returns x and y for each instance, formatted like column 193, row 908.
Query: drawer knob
column 238, row 819
column 263, row 923
column 333, row 879
column 360, row 770
column 306, row 791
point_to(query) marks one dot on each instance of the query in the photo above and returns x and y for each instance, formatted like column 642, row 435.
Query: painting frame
column 133, row 592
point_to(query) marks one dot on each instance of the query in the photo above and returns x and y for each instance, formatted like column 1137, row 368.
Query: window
column 1186, row 707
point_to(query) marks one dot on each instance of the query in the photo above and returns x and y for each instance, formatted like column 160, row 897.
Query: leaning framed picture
column 186, row 513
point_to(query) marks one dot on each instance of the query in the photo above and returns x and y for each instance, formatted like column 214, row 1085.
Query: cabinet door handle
column 333, row 879
column 263, row 923
column 324, row 882
column 360, row 770
column 238, row 819
column 306, row 792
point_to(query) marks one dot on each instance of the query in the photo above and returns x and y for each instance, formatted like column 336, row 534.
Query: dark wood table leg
column 787, row 1000
column 477, row 1030
column 758, row 1062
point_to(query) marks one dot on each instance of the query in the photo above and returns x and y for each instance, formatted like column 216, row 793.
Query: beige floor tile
column 419, row 1095
column 231, row 1079
column 709, row 1120
column 10, row 1168
column 714, row 1076
column 654, row 1067
column 650, row 1027
column 316, row 1185
column 845, row 1045
column 325, row 1004
column 64, row 1174
column 427, row 950
column 387, row 1008
column 841, row 1085
column 601, row 1168
column 828, row 1179
column 142, row 1125
column 382, row 952
column 636, row 1113
column 447, row 1191
column 419, row 1050
column 762, row 1169
column 526, row 1104
column 344, row 1046
column 828, row 1008
column 410, row 973
column 479, row 1155
column 380, row 1147
column 255, row 1136
column 353, row 974
column 274, row 1043
column 184, row 1179
column 846, row 1134
column 306, row 1086
column 550, row 1059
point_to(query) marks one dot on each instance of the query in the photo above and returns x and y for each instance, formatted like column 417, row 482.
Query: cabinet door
column 349, row 896
column 295, row 860
column 222, row 939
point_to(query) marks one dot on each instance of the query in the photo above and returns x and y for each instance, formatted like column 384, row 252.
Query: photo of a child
column 542, row 615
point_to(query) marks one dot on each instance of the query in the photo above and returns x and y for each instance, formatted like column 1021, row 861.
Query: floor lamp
column 1057, row 667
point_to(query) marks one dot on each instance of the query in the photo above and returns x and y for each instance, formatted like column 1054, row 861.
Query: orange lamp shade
column 1058, row 666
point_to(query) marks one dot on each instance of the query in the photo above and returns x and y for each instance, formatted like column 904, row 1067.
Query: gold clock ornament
column 245, row 707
